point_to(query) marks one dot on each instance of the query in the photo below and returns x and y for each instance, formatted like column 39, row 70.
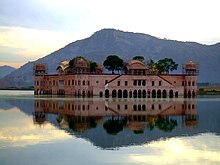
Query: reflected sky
column 17, row 130
column 23, row 141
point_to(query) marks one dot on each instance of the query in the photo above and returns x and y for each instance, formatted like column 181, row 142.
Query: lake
column 57, row 130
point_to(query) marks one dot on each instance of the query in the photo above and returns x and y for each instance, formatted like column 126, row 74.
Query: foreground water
column 55, row 130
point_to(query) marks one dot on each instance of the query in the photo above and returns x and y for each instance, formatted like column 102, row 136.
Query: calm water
column 56, row 130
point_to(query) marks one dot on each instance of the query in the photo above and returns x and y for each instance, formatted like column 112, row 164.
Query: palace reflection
column 114, row 115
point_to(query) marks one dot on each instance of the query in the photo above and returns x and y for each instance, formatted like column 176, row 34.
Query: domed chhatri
column 80, row 77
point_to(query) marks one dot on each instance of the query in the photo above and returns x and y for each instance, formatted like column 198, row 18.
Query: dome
column 191, row 65
column 136, row 64
column 63, row 65
column 82, row 63
column 40, row 66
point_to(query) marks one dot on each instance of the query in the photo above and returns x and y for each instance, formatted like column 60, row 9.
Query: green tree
column 140, row 58
column 150, row 64
column 166, row 65
column 113, row 62
column 93, row 66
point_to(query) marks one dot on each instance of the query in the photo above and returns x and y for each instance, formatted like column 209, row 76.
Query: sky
column 31, row 29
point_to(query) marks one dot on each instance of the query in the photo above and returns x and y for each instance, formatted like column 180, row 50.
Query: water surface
column 56, row 130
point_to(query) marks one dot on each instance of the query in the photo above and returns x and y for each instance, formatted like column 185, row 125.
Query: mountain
column 127, row 45
column 5, row 70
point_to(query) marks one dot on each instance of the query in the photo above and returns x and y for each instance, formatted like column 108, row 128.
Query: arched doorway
column 176, row 94
column 164, row 93
column 114, row 94
column 189, row 94
column 107, row 93
column 144, row 94
column 185, row 94
column 193, row 94
column 100, row 94
column 125, row 93
column 139, row 93
column 135, row 94
column 119, row 93
column 171, row 93
column 154, row 93
column 159, row 93
column 130, row 94
column 83, row 93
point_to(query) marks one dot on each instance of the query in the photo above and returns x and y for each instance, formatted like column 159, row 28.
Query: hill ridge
column 127, row 45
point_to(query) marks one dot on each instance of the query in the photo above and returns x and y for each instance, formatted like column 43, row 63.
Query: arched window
column 171, row 93
column 159, row 93
column 114, row 94
column 154, row 93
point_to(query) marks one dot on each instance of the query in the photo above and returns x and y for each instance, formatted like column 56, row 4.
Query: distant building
column 135, row 82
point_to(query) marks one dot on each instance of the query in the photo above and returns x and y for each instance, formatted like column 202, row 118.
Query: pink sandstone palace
column 136, row 81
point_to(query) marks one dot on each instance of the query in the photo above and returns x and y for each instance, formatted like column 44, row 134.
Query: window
column 144, row 83
column 182, row 83
column 69, row 82
column 118, row 83
column 152, row 83
column 159, row 107
column 160, row 83
column 106, row 81
column 118, row 107
column 97, row 82
column 72, row 82
column 189, row 83
column 126, row 106
column 135, row 83
column 126, row 83
column 134, row 107
column 139, row 82
column 193, row 83
column 84, row 83
column 79, row 83
column 88, row 83
column 152, row 106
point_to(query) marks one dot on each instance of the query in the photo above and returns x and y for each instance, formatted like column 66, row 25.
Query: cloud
column 29, row 44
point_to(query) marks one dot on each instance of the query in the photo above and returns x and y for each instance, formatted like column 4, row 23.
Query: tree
column 140, row 58
column 165, row 65
column 151, row 64
column 113, row 63
column 92, row 66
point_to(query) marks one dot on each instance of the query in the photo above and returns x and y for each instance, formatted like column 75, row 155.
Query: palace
column 136, row 81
